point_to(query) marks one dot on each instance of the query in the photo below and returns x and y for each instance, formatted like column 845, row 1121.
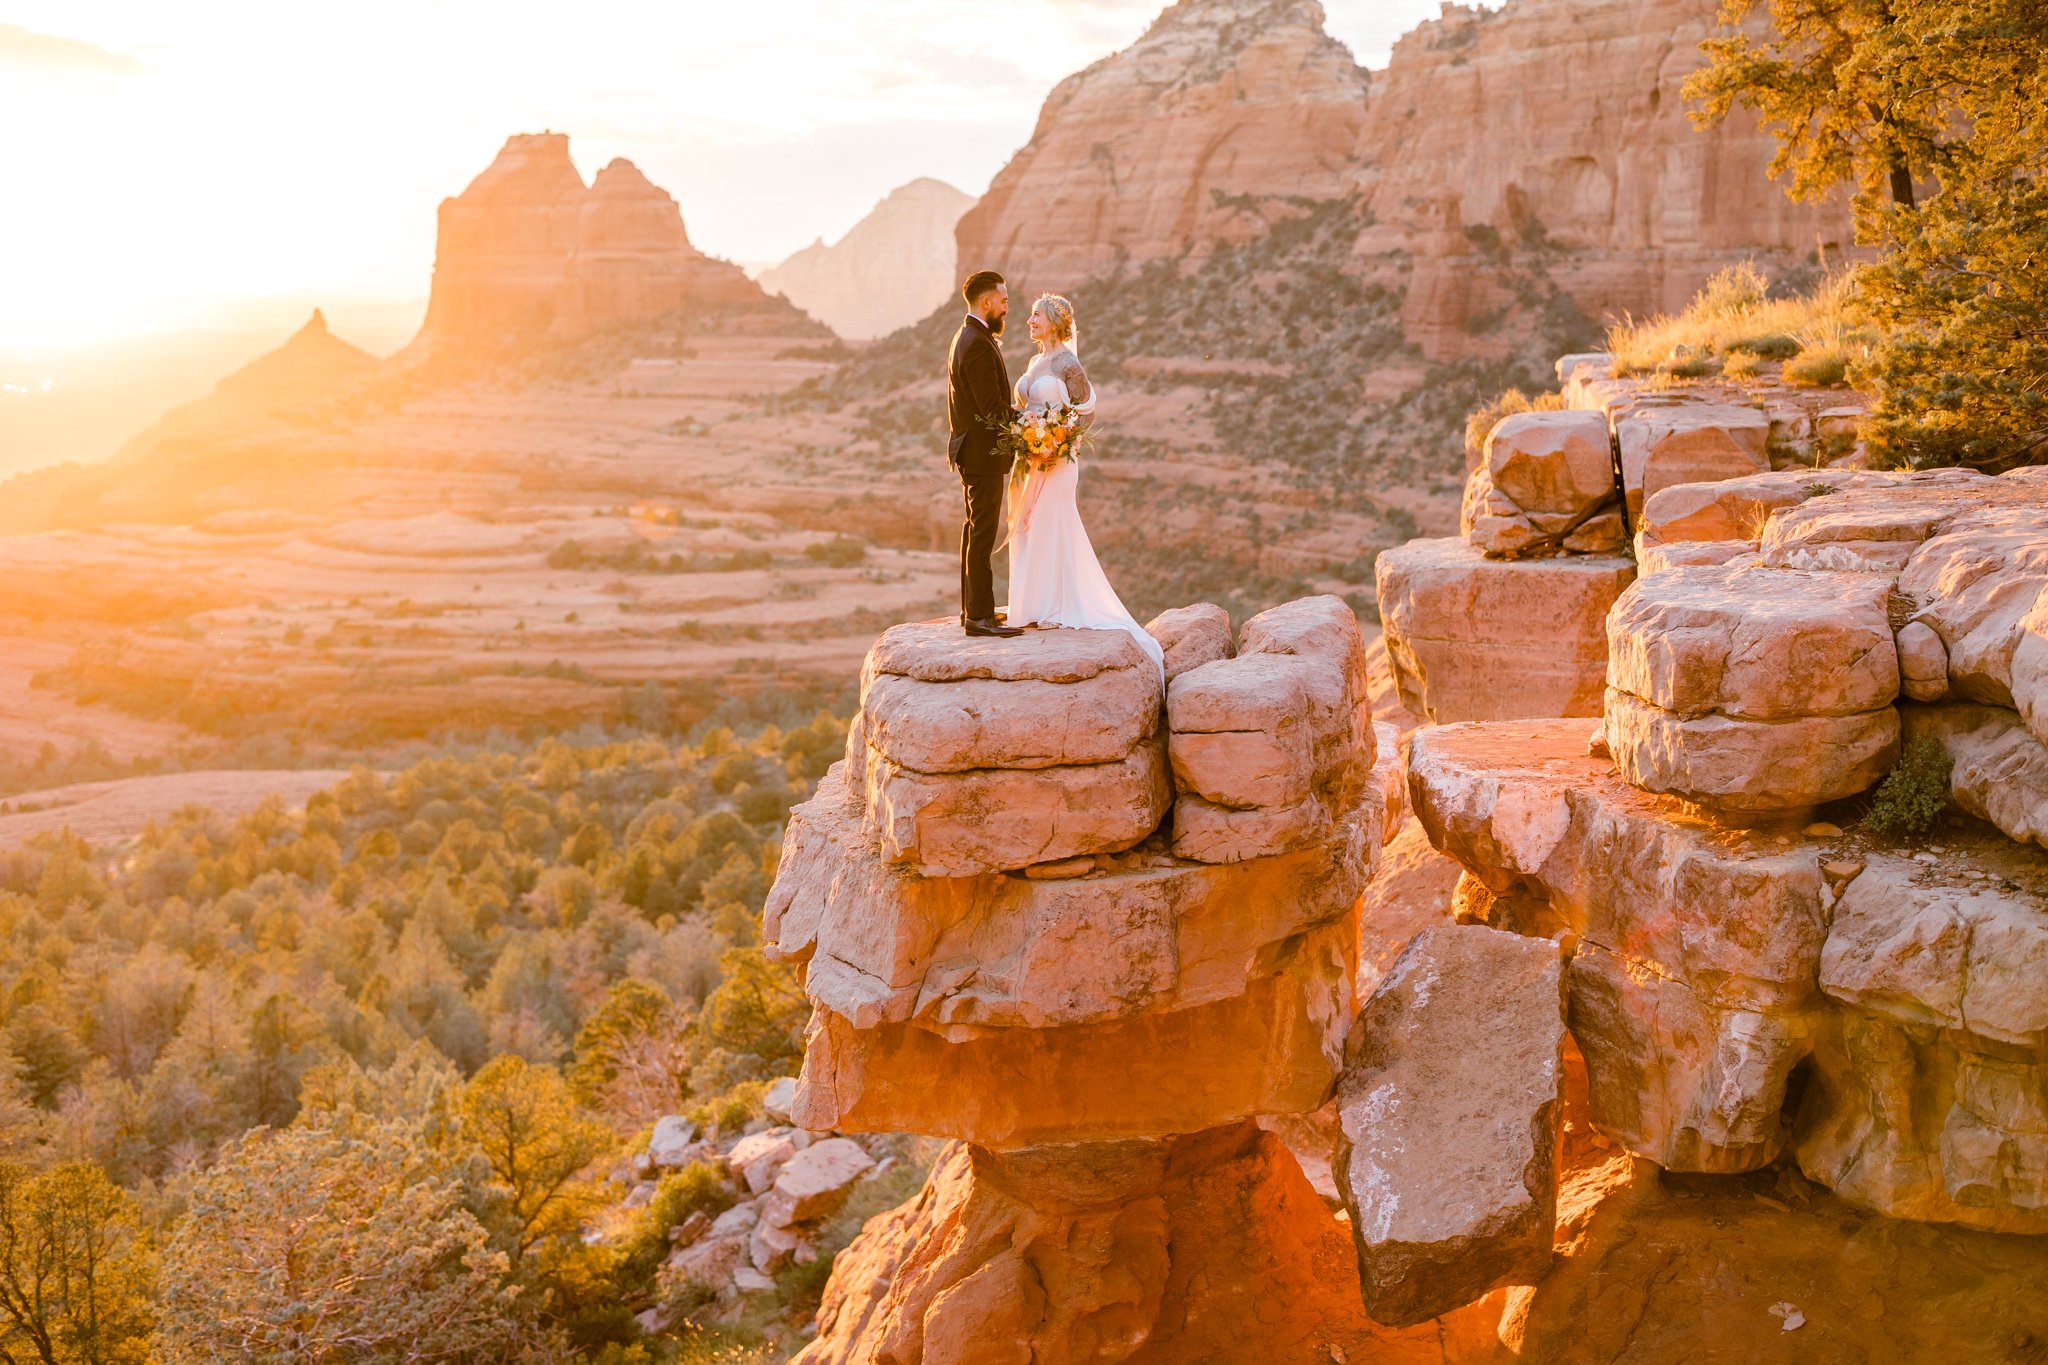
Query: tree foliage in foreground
column 1936, row 111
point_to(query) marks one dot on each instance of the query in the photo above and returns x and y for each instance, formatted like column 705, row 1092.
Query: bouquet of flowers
column 1040, row 439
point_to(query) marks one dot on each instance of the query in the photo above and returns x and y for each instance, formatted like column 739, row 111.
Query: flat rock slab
column 1750, row 767
column 1272, row 1047
column 1737, row 509
column 958, row 727
column 1449, row 1103
column 1458, row 624
column 998, row 819
column 1754, row 643
column 939, row 651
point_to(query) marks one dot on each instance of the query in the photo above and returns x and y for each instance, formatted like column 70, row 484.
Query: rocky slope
column 1199, row 132
column 890, row 269
column 528, row 249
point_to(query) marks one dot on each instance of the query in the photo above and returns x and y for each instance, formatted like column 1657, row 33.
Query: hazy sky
column 165, row 164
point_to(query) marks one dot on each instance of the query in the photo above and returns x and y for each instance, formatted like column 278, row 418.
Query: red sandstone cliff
column 1245, row 99
column 1548, row 137
column 528, row 249
column 1557, row 121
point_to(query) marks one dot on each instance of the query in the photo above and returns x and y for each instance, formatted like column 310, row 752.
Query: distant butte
column 529, row 250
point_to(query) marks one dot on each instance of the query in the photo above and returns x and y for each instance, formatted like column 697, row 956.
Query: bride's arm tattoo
column 1073, row 376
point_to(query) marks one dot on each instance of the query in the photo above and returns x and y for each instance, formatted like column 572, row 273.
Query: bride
column 1055, row 579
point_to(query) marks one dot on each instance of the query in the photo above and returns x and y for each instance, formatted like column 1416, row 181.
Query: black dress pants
column 982, row 482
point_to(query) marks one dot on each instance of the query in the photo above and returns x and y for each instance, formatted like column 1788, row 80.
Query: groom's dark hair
column 979, row 283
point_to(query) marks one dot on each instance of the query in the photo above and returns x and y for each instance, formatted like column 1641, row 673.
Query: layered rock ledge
column 1709, row 962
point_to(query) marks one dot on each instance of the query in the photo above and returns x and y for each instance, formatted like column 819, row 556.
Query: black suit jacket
column 977, row 388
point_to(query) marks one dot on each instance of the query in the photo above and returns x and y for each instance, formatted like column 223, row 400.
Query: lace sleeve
column 1080, row 391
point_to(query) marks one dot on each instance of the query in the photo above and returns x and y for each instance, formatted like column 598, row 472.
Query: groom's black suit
column 977, row 388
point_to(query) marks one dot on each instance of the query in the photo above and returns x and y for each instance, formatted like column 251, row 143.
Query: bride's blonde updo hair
column 1060, row 314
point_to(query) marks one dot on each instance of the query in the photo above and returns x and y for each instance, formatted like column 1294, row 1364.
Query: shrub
column 1741, row 365
column 1770, row 346
column 1817, row 369
column 1913, row 795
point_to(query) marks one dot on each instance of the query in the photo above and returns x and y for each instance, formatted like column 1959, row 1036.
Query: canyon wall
column 1546, row 140
column 1561, row 130
column 891, row 269
column 1198, row 132
column 528, row 249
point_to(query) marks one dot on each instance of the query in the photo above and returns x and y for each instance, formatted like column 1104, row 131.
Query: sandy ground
column 106, row 812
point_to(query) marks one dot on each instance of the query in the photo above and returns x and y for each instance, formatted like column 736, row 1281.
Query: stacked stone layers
column 1750, row 689
column 1959, row 562
column 1270, row 748
column 1085, row 990
column 1709, row 962
column 983, row 755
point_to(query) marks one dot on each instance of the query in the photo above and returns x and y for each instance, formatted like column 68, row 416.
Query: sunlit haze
column 173, row 166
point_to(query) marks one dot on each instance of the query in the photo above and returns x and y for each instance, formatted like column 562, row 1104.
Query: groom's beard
column 995, row 325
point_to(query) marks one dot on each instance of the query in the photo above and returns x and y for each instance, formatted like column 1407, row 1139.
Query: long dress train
column 1055, row 578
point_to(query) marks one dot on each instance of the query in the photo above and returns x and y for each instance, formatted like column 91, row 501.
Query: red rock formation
column 1493, row 138
column 889, row 271
column 1564, row 120
column 1242, row 98
column 527, row 249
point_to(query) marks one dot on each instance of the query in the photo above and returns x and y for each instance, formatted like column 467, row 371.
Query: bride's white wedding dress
column 1055, row 579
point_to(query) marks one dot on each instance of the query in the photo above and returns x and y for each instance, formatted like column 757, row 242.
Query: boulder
column 1552, row 462
column 759, row 1157
column 1754, row 643
column 1750, row 767
column 1930, row 1094
column 1268, row 752
column 1322, row 627
column 1923, row 662
column 1457, row 623
column 1450, row 1109
column 775, row 1100
column 1688, row 443
column 1192, row 636
column 815, row 1182
column 672, row 1140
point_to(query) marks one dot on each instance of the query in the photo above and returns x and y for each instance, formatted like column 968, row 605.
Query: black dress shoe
column 985, row 626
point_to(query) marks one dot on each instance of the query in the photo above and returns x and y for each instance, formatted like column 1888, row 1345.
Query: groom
column 977, row 393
